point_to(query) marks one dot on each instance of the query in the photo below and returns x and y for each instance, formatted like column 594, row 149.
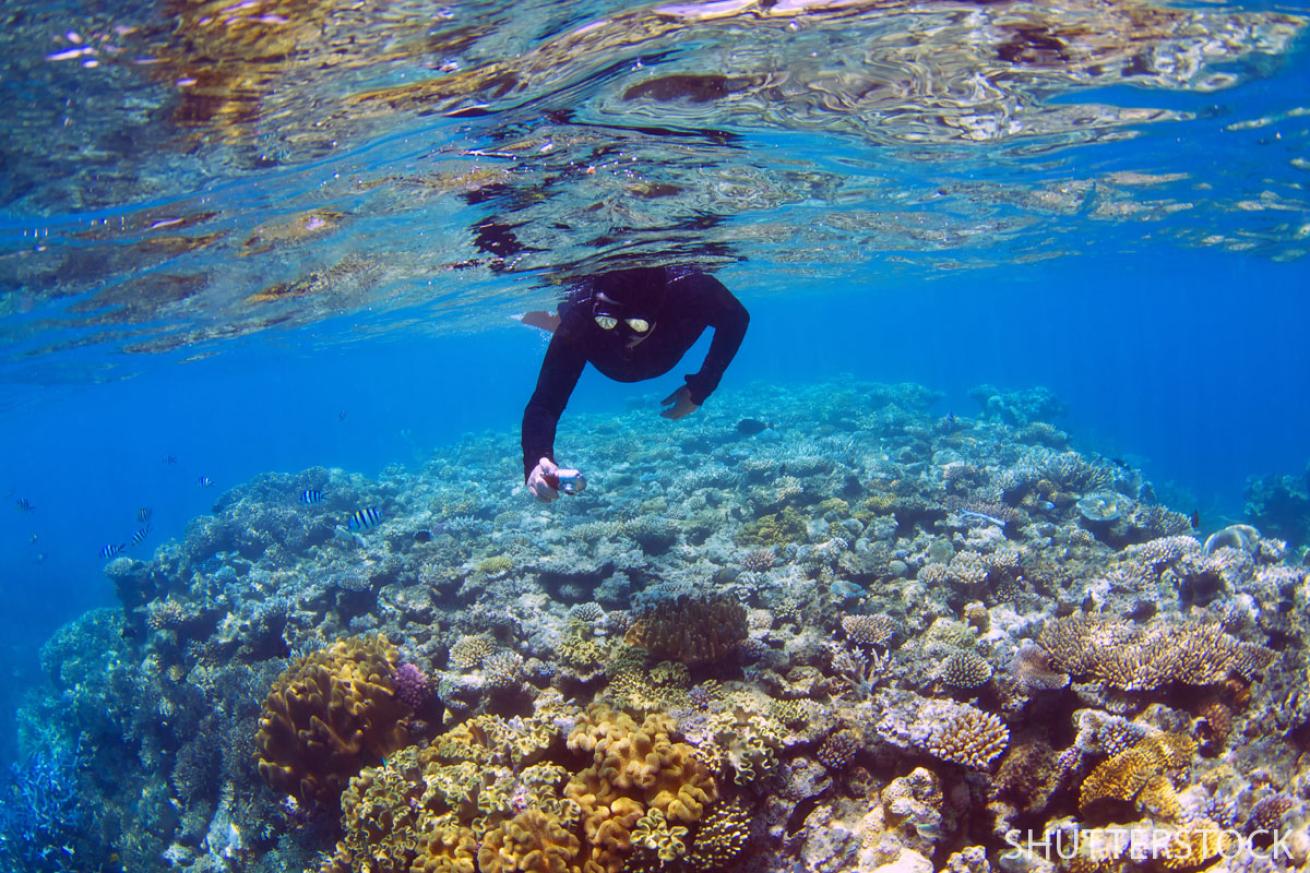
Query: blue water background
column 1191, row 363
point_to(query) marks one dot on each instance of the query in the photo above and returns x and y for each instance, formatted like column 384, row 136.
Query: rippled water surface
column 178, row 174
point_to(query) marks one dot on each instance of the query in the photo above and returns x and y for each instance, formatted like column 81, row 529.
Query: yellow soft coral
column 330, row 714
column 635, row 769
column 530, row 842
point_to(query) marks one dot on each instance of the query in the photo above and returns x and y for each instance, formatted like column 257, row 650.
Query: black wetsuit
column 680, row 301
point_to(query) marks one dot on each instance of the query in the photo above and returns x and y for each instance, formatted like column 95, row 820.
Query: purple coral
column 412, row 685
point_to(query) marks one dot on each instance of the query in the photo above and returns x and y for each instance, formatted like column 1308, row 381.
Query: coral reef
column 865, row 638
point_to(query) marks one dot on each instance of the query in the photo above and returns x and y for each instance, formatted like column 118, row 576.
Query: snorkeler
column 631, row 325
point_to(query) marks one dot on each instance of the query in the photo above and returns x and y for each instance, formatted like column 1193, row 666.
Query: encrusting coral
column 330, row 714
column 1140, row 773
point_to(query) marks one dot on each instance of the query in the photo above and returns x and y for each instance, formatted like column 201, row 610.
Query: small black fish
column 111, row 550
column 365, row 518
column 310, row 496
column 752, row 426
column 24, row 505
column 1196, row 519
column 143, row 514
column 422, row 536
column 170, row 459
column 205, row 481
column 140, row 536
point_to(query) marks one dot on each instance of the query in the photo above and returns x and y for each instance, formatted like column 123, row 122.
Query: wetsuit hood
column 637, row 293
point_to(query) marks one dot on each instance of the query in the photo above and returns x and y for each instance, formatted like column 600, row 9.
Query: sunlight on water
column 206, row 171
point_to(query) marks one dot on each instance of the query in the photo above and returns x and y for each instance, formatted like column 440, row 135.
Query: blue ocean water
column 1168, row 314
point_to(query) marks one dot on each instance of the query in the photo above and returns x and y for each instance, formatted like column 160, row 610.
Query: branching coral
column 328, row 715
column 693, row 630
column 1124, row 657
column 965, row 669
column 722, row 836
column 868, row 630
column 971, row 737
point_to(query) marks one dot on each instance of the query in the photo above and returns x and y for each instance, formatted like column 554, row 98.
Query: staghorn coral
column 1124, row 657
column 693, row 630
column 328, row 715
column 972, row 737
column 1140, row 773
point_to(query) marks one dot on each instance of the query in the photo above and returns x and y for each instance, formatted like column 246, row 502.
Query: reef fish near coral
column 363, row 519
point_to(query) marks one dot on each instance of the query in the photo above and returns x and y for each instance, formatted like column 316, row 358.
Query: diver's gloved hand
column 544, row 479
column 678, row 404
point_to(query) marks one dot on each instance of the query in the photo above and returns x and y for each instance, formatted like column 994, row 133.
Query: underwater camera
column 569, row 483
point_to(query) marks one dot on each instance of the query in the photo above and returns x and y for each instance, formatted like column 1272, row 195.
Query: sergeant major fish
column 310, row 496
column 365, row 518
column 112, row 550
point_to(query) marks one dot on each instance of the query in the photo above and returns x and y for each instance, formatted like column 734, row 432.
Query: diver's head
column 628, row 301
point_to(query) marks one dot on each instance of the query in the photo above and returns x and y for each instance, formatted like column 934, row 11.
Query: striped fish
column 365, row 518
column 310, row 496
column 112, row 550
column 143, row 514
column 204, row 481
column 140, row 536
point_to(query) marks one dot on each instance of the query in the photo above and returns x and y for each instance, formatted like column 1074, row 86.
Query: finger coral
column 1125, row 657
column 693, row 630
column 330, row 714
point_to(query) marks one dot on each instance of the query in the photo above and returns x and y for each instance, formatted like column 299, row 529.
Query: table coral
column 1125, row 657
column 328, row 715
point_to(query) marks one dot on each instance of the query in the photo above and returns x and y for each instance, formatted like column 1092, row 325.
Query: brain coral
column 330, row 714
column 692, row 630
